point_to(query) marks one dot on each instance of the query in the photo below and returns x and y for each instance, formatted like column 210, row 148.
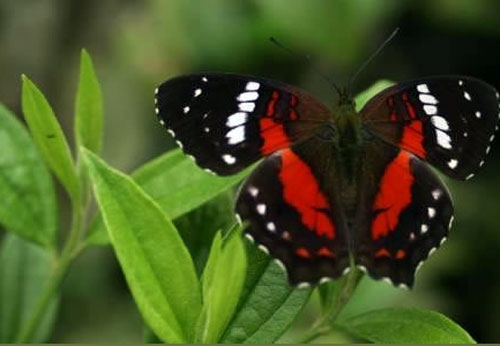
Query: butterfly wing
column 291, row 204
column 226, row 122
column 448, row 121
column 404, row 212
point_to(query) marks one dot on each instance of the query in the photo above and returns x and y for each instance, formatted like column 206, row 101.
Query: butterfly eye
column 328, row 133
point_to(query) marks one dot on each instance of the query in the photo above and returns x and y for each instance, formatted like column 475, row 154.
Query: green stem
column 324, row 324
column 51, row 287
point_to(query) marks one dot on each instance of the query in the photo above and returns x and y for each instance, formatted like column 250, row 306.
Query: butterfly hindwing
column 292, row 215
column 448, row 121
column 226, row 122
column 409, row 214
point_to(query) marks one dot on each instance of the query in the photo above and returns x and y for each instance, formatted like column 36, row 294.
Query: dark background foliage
column 138, row 44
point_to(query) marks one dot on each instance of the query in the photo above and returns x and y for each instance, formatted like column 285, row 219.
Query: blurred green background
column 138, row 44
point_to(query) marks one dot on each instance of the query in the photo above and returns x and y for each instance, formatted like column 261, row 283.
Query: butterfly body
column 337, row 187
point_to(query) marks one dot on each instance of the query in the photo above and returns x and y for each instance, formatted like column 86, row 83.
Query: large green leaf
column 406, row 326
column 268, row 305
column 24, row 269
column 156, row 264
column 176, row 184
column 223, row 280
column 88, row 107
column 49, row 137
column 28, row 205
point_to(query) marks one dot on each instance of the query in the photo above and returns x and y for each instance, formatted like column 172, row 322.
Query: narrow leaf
column 406, row 326
column 28, row 205
column 88, row 107
column 176, row 184
column 268, row 305
column 24, row 269
column 48, row 136
column 223, row 280
column 156, row 264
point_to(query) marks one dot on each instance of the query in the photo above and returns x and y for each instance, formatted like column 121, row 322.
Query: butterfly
column 337, row 187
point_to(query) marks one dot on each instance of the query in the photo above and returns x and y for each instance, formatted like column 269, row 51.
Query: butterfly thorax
column 349, row 141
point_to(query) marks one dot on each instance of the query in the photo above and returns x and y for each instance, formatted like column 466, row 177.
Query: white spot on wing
column 252, row 86
column 204, row 79
column 236, row 119
column 427, row 98
column 172, row 133
column 478, row 114
column 451, row 221
column 186, row 109
column 261, row 208
column 440, row 123
column 197, row 92
column 236, row 135
column 253, row 191
column 157, row 111
column 263, row 249
column 431, row 212
column 436, row 194
column 443, row 139
column 431, row 252
column 324, row 280
column 346, row 270
column 246, row 106
column 271, row 227
column 248, row 96
column 229, row 159
column 424, row 228
column 179, row 144
column 162, row 122
column 423, row 88
column 460, row 82
column 469, row 176
column 442, row 241
column 430, row 109
column 249, row 237
column 303, row 285
column 452, row 163
column 467, row 96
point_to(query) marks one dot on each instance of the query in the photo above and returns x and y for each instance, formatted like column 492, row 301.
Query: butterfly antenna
column 370, row 59
column 307, row 59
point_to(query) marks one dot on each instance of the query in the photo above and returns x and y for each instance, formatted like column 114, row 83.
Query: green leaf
column 177, row 184
column 49, row 137
column 406, row 326
column 223, row 280
column 28, row 206
column 367, row 94
column 24, row 269
column 156, row 264
column 268, row 305
column 88, row 107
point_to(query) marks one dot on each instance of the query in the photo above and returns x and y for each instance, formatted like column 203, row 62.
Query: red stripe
column 394, row 195
column 274, row 136
column 412, row 138
column 302, row 192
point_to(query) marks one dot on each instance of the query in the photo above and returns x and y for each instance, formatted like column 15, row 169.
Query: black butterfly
column 335, row 183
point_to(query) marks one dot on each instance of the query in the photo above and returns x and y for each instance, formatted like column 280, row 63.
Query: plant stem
column 51, row 287
column 324, row 324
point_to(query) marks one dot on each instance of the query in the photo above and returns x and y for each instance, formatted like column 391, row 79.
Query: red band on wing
column 393, row 196
column 273, row 134
column 412, row 138
column 301, row 190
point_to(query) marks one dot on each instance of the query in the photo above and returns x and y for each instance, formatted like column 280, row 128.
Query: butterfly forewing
column 448, row 121
column 226, row 122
